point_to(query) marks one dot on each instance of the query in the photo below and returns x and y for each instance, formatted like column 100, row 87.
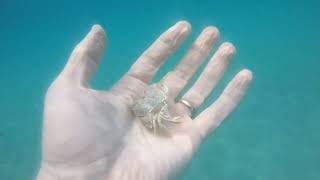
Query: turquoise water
column 274, row 134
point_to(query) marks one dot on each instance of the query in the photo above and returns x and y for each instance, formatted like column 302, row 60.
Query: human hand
column 90, row 134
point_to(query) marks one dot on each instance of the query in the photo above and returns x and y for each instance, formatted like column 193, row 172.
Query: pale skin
column 90, row 134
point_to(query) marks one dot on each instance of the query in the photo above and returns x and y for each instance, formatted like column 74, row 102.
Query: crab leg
column 175, row 119
column 162, row 125
column 154, row 125
column 159, row 122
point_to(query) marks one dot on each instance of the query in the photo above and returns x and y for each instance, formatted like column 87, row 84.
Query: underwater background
column 275, row 132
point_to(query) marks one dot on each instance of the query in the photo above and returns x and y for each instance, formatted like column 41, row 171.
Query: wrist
column 53, row 171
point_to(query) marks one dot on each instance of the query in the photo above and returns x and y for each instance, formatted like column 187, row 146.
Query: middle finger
column 177, row 79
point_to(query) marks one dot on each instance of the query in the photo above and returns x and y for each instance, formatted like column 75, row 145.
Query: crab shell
column 152, row 108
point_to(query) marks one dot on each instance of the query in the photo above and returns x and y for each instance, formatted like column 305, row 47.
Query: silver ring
column 187, row 104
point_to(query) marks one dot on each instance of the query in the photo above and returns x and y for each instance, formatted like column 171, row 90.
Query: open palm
column 91, row 134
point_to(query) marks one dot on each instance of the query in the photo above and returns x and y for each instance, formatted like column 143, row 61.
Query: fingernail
column 227, row 49
column 246, row 75
column 207, row 38
column 176, row 33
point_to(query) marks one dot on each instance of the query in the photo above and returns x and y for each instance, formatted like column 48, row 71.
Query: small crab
column 152, row 108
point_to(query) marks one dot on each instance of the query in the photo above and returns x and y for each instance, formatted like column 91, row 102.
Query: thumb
column 86, row 57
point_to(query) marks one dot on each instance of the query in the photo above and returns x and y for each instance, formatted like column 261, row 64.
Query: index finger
column 149, row 62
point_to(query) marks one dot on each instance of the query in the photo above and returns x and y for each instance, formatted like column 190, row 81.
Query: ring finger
column 208, row 79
